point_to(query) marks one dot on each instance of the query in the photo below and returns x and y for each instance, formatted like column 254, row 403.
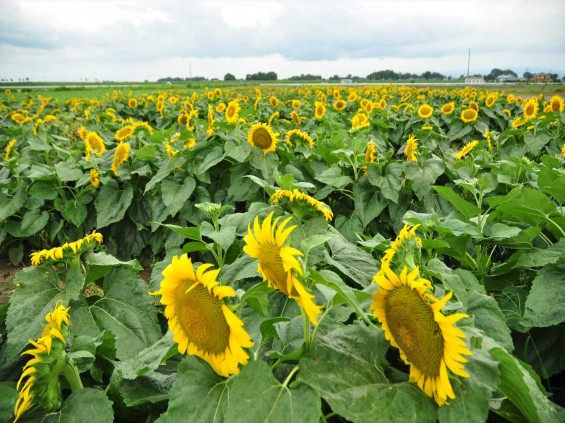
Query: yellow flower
column 295, row 118
column 274, row 101
column 202, row 324
column 469, row 115
column 507, row 112
column 132, row 102
column 190, row 143
column 491, row 99
column 448, row 108
column 221, row 107
column 428, row 341
column 319, row 110
column 124, row 133
column 278, row 262
column 56, row 253
column 262, row 136
column 519, row 121
column 466, row 149
column 563, row 150
column 41, row 387
column 425, row 111
column 19, row 118
column 169, row 150
column 296, row 196
column 93, row 141
column 473, row 105
column 489, row 140
column 232, row 112
column 9, row 148
column 404, row 251
column 530, row 108
column 411, row 149
column 272, row 117
column 359, row 121
column 120, row 156
column 556, row 104
column 94, row 178
column 339, row 105
column 300, row 134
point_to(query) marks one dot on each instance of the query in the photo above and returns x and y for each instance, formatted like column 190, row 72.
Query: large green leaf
column 32, row 222
column 369, row 202
column 463, row 206
column 36, row 295
column 522, row 387
column 423, row 175
column 351, row 260
column 8, row 397
column 175, row 195
column 544, row 306
column 112, row 203
column 85, row 405
column 12, row 206
column 333, row 177
column 389, row 182
column 530, row 207
column 488, row 317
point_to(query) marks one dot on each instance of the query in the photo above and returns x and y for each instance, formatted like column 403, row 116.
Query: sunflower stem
column 290, row 375
column 70, row 372
column 306, row 328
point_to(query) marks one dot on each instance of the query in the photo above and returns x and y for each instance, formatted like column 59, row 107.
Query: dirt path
column 7, row 273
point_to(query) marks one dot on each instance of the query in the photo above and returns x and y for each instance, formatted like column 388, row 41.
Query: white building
column 474, row 80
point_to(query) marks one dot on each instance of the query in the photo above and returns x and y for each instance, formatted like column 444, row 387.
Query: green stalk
column 70, row 372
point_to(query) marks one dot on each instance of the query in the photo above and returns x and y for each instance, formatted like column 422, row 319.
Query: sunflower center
column 413, row 327
column 231, row 111
column 200, row 315
column 272, row 267
column 262, row 139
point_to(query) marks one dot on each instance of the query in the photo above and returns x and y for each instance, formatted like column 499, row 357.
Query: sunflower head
column 232, row 112
column 428, row 341
column 124, row 133
column 359, row 121
column 469, row 115
column 202, row 324
column 261, row 135
column 301, row 204
column 39, row 383
column 467, row 148
column 557, row 104
column 120, row 156
column 491, row 99
column 278, row 263
column 425, row 111
column 411, row 149
column 319, row 110
column 132, row 102
column 448, row 108
column 530, row 108
column 340, row 104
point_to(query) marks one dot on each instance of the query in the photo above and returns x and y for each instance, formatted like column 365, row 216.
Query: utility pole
column 469, row 62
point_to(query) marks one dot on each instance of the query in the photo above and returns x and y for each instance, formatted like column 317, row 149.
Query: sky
column 127, row 40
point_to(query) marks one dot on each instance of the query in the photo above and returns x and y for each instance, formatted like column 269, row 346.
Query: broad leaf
column 112, row 203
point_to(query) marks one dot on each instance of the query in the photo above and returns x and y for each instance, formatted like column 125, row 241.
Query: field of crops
column 316, row 254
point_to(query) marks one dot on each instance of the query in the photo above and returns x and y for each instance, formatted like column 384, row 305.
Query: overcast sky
column 118, row 40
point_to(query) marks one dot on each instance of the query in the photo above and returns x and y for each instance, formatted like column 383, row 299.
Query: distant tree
column 495, row 73
column 528, row 75
column 334, row 78
column 553, row 77
column 307, row 77
column 261, row 76
column 229, row 77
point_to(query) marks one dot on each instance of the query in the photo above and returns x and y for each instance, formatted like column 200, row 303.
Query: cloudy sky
column 130, row 40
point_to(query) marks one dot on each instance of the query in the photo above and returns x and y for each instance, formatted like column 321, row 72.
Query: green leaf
column 224, row 237
column 207, row 158
column 112, row 203
column 237, row 152
column 544, row 306
column 32, row 222
column 36, row 295
column 347, row 367
column 333, row 177
column 66, row 173
column 11, row 207
column 538, row 257
column 553, row 183
column 258, row 298
column 174, row 195
column 488, row 317
column 244, row 267
column 8, row 397
column 43, row 190
column 351, row 260
column 523, row 388
column 98, row 264
column 152, row 387
column 463, row 206
column 190, row 233
column 530, row 207
column 369, row 203
column 423, row 175
column 390, row 182
column 85, row 405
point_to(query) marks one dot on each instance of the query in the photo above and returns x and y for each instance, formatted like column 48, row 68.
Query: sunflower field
column 284, row 254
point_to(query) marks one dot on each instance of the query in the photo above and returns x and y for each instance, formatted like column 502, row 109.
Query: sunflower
column 370, row 155
column 124, row 133
column 132, row 102
column 274, row 101
column 519, row 121
column 403, row 252
column 491, row 99
column 296, row 196
column 94, row 178
column 202, row 324
column 510, row 99
column 40, row 387
column 488, row 138
column 425, row 111
column 120, row 156
column 296, row 118
column 221, row 107
column 339, row 105
column 469, row 115
column 473, row 105
column 411, row 149
column 556, row 104
column 563, row 150
column 278, row 263
column 428, row 341
column 448, row 108
column 466, row 149
column 359, row 121
column 232, row 112
column 300, row 134
column 9, row 148
column 319, row 110
column 56, row 253
column 530, row 108
column 92, row 141
column 211, row 130
column 262, row 136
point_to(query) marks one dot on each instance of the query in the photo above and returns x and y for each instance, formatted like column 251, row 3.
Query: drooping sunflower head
column 370, row 152
column 202, row 324
column 297, row 133
column 124, row 133
column 261, row 135
column 69, row 248
column 491, row 99
column 425, row 111
column 359, row 121
column 473, row 105
column 467, row 148
column 428, row 341
column 42, row 386
column 120, row 156
column 278, row 263
column 94, row 178
column 95, row 142
column 301, row 204
column 405, row 251
column 557, row 104
column 232, row 112
column 411, row 149
column 469, row 115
